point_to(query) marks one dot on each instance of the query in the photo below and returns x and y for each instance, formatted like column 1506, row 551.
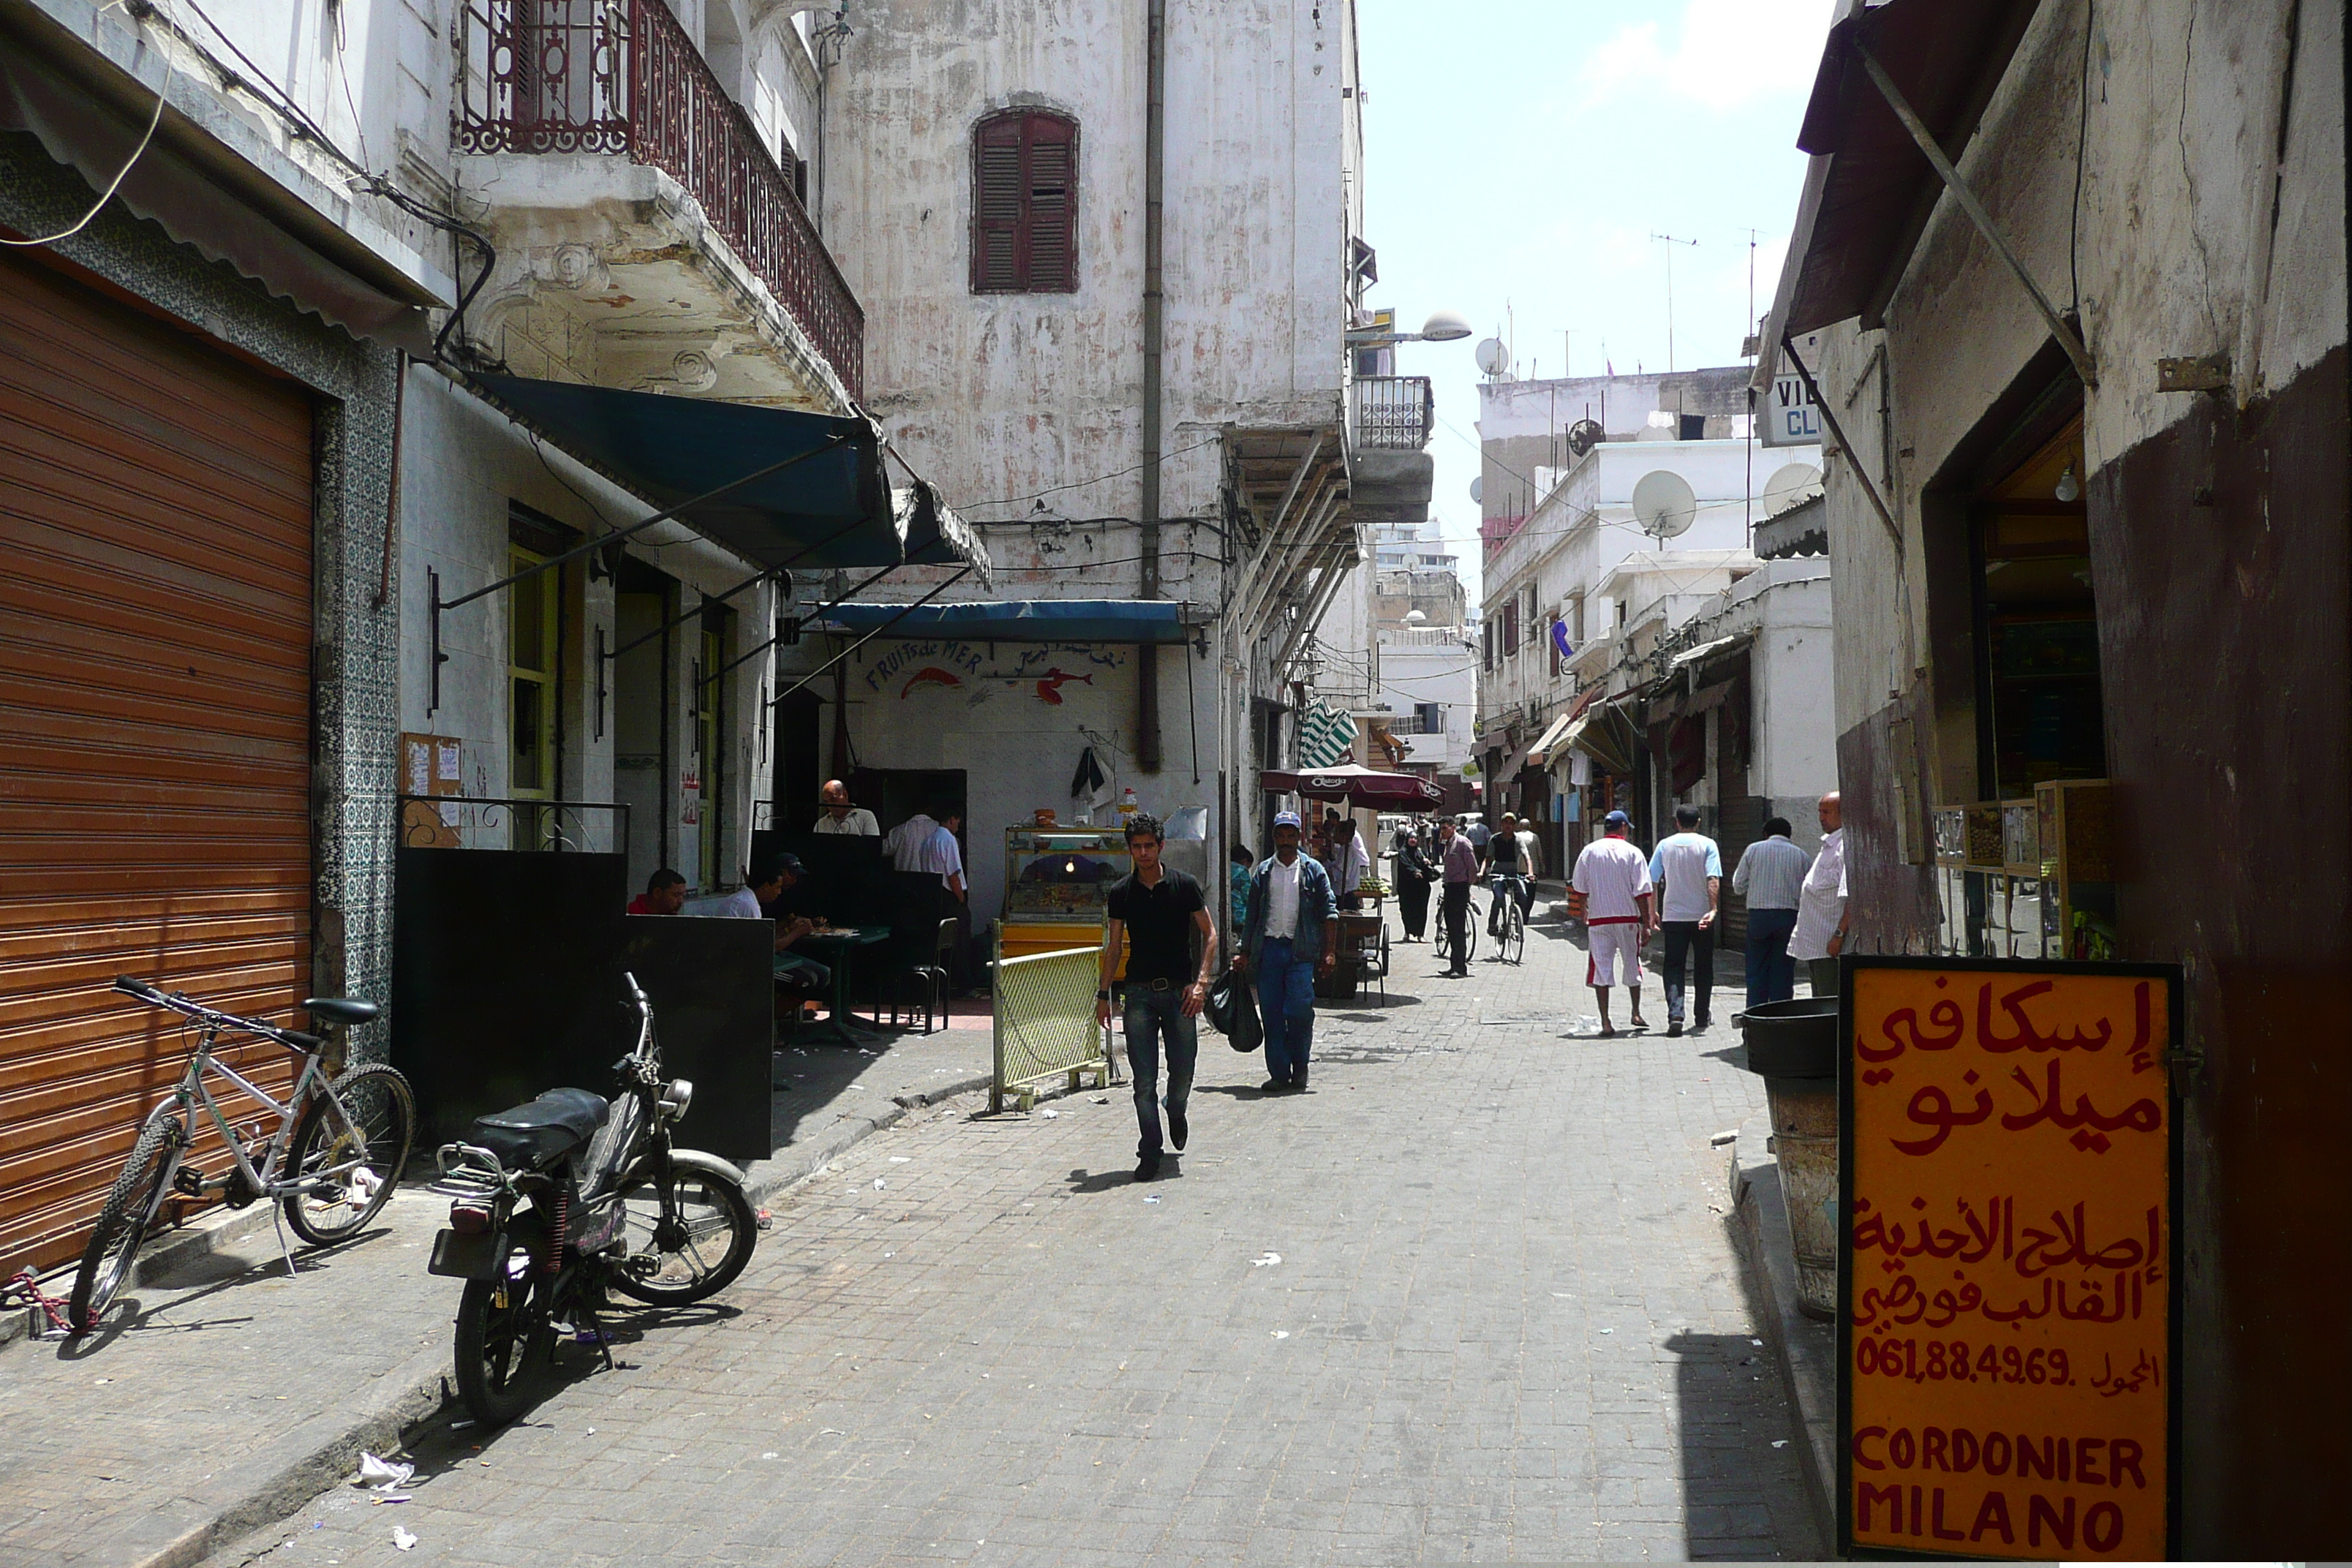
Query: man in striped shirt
column 1770, row 873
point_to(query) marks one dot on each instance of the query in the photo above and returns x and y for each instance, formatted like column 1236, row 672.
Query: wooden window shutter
column 1024, row 204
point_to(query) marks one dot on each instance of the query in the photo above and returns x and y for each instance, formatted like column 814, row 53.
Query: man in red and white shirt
column 1614, row 878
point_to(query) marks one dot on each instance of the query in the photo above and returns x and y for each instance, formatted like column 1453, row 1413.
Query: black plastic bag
column 1232, row 1011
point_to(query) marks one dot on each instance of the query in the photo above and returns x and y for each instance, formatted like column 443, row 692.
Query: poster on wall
column 2007, row 1328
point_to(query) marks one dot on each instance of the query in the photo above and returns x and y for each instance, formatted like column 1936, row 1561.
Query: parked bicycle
column 337, row 1153
column 556, row 1203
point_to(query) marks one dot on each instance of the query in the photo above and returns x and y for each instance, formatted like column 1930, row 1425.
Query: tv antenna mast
column 1671, row 242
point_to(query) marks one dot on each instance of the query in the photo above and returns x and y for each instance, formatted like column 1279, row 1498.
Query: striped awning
column 1326, row 737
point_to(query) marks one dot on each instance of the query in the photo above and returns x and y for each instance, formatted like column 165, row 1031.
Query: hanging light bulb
column 2069, row 488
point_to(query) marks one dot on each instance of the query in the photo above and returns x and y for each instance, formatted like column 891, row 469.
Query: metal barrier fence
column 1046, row 1023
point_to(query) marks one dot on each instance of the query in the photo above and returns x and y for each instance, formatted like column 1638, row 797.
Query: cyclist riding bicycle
column 1511, row 855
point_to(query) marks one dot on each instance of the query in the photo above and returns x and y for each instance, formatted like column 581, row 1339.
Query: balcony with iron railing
column 622, row 79
column 1389, row 477
column 1392, row 413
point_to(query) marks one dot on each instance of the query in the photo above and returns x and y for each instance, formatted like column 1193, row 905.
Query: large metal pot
column 1793, row 1046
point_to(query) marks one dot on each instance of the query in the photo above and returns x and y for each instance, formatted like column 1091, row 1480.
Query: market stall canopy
column 834, row 507
column 1356, row 784
column 1870, row 190
column 1026, row 620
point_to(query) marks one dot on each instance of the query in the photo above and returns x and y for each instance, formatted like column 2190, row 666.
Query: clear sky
column 1520, row 153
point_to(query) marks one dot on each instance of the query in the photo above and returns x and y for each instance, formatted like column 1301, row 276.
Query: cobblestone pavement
column 1471, row 1298
column 222, row 1392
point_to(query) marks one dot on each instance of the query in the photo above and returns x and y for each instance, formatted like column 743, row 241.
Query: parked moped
column 556, row 1204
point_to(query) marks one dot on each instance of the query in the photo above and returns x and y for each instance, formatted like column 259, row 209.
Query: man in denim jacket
column 1288, row 936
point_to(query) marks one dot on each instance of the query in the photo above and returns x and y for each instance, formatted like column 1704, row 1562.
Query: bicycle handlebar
column 177, row 1002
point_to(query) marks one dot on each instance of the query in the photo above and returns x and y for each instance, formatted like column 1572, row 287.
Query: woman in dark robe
column 1414, row 874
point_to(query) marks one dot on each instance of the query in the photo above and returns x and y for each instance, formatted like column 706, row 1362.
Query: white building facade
column 1582, row 591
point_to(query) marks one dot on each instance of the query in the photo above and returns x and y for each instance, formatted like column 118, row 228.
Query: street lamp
column 1442, row 327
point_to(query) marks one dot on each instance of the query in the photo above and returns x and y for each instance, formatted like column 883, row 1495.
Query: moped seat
column 530, row 1136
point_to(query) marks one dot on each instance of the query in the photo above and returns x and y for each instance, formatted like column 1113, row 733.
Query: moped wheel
column 505, row 1343
column 374, row 1141
column 123, row 1222
column 690, row 1248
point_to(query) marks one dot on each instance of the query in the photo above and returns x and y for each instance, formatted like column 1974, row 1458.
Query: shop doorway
column 894, row 794
column 642, row 741
column 2040, row 709
column 798, row 742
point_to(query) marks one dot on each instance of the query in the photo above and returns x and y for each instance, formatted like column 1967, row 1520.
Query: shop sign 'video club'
column 2007, row 1332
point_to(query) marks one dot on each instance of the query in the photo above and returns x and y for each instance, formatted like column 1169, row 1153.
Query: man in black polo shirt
column 1158, row 911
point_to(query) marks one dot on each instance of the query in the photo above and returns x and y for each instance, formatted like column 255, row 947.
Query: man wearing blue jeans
column 1158, row 911
column 1771, row 875
column 1288, row 937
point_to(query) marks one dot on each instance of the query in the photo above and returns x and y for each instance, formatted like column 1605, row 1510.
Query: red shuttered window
column 1024, row 234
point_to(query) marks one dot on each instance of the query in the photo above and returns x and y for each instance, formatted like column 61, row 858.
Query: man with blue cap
column 1288, row 937
column 1614, row 878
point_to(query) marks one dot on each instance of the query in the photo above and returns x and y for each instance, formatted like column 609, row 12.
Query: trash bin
column 1793, row 1046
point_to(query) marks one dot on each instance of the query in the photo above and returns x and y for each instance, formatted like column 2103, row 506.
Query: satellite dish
column 1479, row 491
column 1663, row 503
column 1794, row 482
column 1491, row 355
column 1414, row 617
column 1585, row 434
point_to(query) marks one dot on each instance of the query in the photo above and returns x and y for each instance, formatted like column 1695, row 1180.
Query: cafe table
column 836, row 949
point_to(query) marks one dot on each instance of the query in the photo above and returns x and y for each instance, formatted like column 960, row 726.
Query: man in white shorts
column 1614, row 878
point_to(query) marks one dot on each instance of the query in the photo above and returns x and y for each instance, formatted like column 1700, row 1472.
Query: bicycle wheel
column 123, row 1222
column 1515, row 935
column 505, row 1342
column 1470, row 924
column 696, row 1253
column 365, row 1151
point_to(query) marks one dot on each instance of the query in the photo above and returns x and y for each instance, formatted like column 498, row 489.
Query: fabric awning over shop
column 206, row 196
column 1547, row 744
column 1870, row 190
column 1158, row 621
column 1606, row 735
column 1703, row 652
column 936, row 534
column 834, row 509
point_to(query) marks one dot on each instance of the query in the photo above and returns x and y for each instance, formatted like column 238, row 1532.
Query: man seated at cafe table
column 765, row 886
column 665, row 894
column 838, row 815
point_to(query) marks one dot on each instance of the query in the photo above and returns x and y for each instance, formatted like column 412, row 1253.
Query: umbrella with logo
column 1357, row 785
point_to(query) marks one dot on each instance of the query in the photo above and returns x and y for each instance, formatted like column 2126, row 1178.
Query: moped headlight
column 677, row 1097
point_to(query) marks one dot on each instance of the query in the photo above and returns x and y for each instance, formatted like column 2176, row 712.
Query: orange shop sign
column 2007, row 1334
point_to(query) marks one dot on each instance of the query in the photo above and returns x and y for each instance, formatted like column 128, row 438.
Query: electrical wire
column 154, row 121
column 1165, row 457
column 2082, row 144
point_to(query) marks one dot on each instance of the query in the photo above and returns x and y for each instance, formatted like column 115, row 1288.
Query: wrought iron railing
column 1392, row 413
column 621, row 77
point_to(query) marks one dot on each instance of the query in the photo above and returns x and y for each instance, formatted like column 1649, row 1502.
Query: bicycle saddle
column 532, row 1135
column 340, row 1010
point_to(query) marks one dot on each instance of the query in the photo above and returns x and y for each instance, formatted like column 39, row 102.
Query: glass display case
column 1056, row 881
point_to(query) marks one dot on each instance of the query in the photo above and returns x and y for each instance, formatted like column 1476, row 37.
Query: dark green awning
column 835, row 509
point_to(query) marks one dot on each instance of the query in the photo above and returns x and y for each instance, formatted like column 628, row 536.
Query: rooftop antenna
column 1671, row 242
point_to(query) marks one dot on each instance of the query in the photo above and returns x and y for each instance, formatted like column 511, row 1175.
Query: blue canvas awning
column 1026, row 620
column 835, row 509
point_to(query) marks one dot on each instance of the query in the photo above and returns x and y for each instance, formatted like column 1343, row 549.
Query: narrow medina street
column 1472, row 1297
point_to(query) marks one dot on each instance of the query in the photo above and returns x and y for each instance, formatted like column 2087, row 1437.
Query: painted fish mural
column 930, row 674
column 1049, row 686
